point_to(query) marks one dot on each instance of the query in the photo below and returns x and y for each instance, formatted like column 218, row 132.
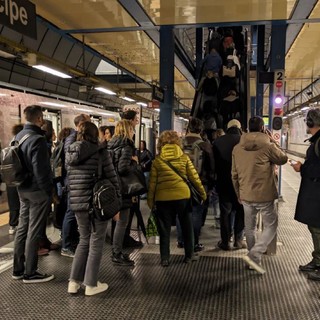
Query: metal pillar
column 199, row 52
column 260, row 68
column 167, row 77
column 277, row 61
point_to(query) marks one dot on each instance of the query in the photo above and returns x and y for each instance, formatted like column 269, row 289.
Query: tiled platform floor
column 217, row 287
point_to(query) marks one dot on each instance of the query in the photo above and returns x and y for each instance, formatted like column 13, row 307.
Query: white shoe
column 73, row 287
column 253, row 265
column 91, row 291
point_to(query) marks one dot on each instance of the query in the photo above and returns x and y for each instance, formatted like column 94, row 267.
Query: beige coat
column 253, row 174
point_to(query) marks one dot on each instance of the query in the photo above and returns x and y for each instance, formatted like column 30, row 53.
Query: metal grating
column 216, row 287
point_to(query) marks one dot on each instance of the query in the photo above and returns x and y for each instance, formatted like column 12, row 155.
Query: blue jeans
column 69, row 228
column 197, row 220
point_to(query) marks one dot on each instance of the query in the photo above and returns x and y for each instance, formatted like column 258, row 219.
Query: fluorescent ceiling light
column 158, row 110
column 3, row 94
column 51, row 71
column 128, row 99
column 53, row 104
column 104, row 90
column 6, row 55
column 142, row 104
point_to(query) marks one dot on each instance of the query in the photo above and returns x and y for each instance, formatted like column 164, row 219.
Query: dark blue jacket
column 36, row 159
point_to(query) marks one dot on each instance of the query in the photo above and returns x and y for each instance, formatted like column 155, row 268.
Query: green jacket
column 165, row 184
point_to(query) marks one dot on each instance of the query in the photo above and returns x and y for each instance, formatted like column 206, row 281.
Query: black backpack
column 13, row 171
column 105, row 201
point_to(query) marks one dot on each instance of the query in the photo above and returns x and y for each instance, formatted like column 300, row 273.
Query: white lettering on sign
column 14, row 12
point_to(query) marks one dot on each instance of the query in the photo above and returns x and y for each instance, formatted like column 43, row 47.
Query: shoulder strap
column 24, row 138
column 175, row 170
column 197, row 144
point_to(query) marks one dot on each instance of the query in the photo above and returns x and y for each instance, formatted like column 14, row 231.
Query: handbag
column 195, row 196
column 134, row 183
column 229, row 72
column 152, row 228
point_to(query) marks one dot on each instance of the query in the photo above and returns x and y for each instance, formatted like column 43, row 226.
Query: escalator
column 221, row 94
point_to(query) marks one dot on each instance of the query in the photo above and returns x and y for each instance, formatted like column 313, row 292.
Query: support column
column 277, row 62
column 167, row 77
column 277, row 56
column 260, row 68
column 199, row 52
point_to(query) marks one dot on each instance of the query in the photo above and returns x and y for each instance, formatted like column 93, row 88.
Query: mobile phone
column 293, row 162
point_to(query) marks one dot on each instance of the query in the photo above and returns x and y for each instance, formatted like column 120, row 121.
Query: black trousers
column 166, row 215
column 226, row 207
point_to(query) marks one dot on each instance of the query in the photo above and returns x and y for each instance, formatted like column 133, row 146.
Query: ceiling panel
column 206, row 11
column 84, row 14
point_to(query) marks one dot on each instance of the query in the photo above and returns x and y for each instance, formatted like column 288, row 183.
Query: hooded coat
column 253, row 171
column 308, row 204
column 165, row 184
column 82, row 161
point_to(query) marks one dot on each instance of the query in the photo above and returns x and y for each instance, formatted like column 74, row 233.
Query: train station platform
column 218, row 286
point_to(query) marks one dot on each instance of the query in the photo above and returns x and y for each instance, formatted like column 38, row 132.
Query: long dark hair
column 88, row 131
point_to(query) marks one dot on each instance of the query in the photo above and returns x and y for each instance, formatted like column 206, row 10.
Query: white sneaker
column 91, row 291
column 12, row 230
column 73, row 287
column 253, row 264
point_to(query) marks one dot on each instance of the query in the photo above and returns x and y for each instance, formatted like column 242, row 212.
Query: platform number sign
column 278, row 93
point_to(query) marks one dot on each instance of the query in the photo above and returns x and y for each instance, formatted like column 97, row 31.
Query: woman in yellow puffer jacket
column 171, row 194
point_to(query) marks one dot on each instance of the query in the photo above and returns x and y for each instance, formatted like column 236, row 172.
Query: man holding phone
column 254, row 181
column 308, row 204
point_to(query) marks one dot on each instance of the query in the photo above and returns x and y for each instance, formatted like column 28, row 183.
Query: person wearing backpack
column 35, row 197
column 201, row 155
column 82, row 159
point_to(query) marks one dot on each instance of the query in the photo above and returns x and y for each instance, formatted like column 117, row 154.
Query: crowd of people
column 238, row 167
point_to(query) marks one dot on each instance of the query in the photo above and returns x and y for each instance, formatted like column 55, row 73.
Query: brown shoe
column 240, row 245
column 43, row 252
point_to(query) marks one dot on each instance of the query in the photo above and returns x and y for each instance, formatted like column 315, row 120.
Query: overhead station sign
column 19, row 15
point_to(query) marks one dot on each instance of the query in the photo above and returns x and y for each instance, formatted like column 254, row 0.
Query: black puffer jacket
column 82, row 161
column 123, row 150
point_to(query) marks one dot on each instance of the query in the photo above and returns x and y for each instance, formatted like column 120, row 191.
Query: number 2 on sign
column 280, row 76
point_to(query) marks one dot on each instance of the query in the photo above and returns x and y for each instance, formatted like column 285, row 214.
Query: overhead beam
column 184, row 26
